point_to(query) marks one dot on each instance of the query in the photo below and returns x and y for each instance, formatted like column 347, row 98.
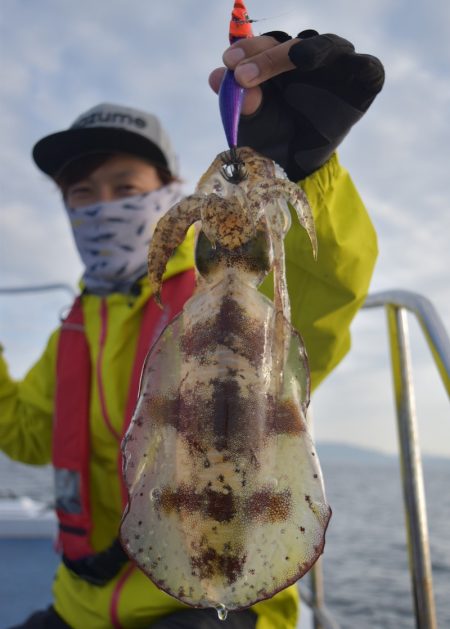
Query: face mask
column 112, row 238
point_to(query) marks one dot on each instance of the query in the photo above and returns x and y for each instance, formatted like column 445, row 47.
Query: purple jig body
column 231, row 96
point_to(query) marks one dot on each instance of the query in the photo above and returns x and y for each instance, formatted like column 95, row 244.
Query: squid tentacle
column 169, row 233
column 296, row 197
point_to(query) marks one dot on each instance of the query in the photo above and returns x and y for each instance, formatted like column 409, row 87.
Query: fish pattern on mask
column 112, row 237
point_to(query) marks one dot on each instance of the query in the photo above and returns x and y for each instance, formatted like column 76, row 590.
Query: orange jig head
column 240, row 23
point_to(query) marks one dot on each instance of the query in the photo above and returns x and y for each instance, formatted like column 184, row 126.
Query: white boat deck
column 24, row 517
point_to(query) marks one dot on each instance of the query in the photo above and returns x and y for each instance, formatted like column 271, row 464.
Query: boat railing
column 397, row 304
column 37, row 288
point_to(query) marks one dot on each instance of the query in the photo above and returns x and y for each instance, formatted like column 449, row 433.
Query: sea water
column 367, row 582
column 366, row 573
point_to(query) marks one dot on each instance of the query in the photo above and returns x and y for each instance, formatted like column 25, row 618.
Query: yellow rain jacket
column 325, row 295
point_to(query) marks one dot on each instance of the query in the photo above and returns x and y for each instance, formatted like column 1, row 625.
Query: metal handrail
column 430, row 322
column 36, row 288
column 397, row 303
column 322, row 617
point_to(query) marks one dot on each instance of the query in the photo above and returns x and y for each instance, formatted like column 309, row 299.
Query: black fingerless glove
column 100, row 568
column 307, row 112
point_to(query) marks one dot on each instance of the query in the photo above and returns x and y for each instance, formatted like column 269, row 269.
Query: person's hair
column 80, row 168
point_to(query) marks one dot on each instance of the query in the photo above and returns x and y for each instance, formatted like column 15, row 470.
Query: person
column 117, row 173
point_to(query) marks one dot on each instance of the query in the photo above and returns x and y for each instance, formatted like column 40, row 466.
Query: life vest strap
column 71, row 437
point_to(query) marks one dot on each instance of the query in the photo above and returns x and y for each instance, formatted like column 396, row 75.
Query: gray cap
column 107, row 127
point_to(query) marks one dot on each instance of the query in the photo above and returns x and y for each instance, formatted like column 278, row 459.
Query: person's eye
column 127, row 189
column 79, row 190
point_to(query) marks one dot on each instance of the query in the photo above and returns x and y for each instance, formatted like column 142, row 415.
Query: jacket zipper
column 101, row 390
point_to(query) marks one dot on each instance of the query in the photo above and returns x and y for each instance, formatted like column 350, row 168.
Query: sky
column 59, row 58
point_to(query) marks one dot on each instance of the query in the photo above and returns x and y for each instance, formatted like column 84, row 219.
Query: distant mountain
column 335, row 452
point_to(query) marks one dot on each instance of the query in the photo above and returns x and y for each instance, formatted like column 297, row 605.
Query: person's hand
column 254, row 61
column 304, row 94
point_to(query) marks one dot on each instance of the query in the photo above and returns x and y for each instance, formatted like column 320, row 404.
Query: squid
column 226, row 496
column 227, row 503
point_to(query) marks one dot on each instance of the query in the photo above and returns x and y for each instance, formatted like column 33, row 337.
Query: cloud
column 38, row 248
column 59, row 59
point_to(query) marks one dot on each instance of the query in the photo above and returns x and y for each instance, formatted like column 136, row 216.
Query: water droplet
column 155, row 494
column 222, row 611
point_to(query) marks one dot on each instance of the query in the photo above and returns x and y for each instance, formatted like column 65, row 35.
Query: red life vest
column 71, row 439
